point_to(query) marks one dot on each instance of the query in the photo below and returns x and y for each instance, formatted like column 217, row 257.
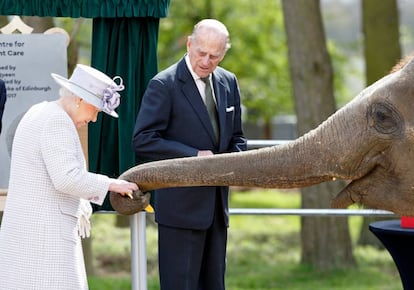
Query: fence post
column 138, row 251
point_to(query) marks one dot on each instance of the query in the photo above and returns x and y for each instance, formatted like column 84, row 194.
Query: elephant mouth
column 349, row 196
column 377, row 190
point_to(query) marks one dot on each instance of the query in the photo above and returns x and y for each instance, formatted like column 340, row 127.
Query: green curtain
column 132, row 42
column 85, row 8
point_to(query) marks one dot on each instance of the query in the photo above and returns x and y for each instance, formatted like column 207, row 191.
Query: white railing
column 310, row 212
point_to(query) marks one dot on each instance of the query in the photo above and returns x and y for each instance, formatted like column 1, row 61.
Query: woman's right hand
column 123, row 187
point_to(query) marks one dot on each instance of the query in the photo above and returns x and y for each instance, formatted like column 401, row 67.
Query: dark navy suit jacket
column 3, row 96
column 173, row 122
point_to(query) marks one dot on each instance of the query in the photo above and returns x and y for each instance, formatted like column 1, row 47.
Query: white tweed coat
column 40, row 247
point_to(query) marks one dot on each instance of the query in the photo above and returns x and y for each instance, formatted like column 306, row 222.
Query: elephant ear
column 126, row 206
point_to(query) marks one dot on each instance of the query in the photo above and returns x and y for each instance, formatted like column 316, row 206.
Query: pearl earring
column 77, row 106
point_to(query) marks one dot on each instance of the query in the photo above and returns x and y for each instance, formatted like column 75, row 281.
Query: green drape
column 86, row 8
column 132, row 42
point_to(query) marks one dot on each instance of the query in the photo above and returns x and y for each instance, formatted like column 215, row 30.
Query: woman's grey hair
column 64, row 92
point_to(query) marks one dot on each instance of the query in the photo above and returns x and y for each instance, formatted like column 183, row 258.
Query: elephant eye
column 385, row 118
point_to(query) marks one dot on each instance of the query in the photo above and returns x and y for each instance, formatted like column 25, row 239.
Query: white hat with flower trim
column 94, row 87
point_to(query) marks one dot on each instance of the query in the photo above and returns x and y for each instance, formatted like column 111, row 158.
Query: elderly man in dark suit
column 175, row 121
column 3, row 97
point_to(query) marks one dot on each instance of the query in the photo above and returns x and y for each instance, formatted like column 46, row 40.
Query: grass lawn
column 263, row 252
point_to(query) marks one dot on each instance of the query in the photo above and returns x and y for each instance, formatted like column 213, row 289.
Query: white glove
column 84, row 226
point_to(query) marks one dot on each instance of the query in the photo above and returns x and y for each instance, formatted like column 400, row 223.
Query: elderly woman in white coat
column 47, row 209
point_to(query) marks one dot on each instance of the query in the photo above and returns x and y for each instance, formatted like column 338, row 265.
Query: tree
column 380, row 26
column 326, row 241
column 3, row 21
column 39, row 24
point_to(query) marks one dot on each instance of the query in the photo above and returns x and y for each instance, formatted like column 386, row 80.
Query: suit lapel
column 192, row 95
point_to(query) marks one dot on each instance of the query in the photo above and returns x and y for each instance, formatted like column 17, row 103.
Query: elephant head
column 369, row 143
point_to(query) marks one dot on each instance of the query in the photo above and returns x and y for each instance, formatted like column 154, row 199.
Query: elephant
column 369, row 143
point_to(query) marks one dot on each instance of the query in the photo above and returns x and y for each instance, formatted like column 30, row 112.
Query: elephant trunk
column 311, row 159
column 255, row 168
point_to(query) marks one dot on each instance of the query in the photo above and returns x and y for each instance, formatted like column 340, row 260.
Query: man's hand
column 204, row 153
